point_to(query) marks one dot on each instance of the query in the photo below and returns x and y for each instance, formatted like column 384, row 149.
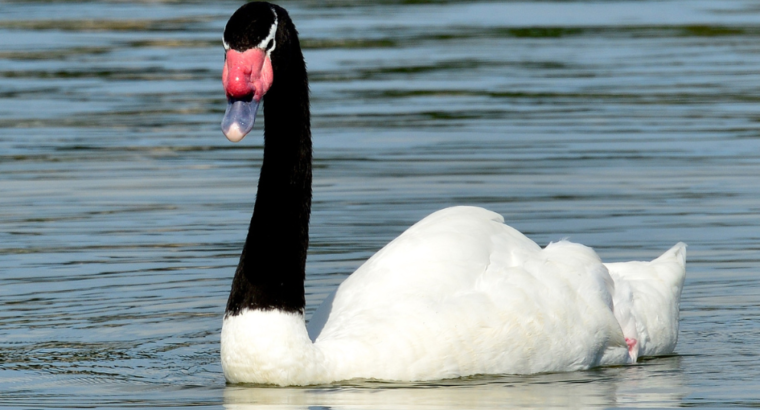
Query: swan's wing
column 647, row 297
column 441, row 255
column 462, row 292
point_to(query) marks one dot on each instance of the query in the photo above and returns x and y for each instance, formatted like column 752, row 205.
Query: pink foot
column 630, row 342
column 633, row 350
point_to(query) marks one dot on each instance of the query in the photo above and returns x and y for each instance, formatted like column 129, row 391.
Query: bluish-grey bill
column 239, row 118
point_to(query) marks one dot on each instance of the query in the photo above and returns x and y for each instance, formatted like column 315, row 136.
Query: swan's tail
column 646, row 301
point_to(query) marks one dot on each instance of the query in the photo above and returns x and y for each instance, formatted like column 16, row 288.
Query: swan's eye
column 270, row 44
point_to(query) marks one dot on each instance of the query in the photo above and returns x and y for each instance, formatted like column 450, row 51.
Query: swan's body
column 459, row 293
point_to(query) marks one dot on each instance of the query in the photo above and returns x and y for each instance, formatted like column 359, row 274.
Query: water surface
column 626, row 126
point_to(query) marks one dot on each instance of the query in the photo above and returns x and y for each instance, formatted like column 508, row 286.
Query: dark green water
column 626, row 126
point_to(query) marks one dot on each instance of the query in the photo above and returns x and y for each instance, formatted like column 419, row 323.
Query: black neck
column 272, row 267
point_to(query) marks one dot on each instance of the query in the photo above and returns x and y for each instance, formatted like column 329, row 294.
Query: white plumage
column 460, row 293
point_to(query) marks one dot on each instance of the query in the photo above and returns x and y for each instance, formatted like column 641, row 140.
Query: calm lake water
column 626, row 126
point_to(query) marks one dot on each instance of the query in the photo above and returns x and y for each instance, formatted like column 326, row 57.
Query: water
column 626, row 126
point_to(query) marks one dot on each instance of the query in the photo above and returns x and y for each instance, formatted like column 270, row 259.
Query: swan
column 459, row 293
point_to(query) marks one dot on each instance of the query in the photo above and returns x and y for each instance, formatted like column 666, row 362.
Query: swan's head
column 249, row 40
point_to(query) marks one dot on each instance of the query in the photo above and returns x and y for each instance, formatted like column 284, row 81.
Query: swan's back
column 461, row 293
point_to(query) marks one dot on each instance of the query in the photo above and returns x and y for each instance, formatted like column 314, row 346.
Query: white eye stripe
column 270, row 36
column 224, row 43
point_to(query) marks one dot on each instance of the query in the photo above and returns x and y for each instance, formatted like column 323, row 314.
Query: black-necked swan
column 459, row 293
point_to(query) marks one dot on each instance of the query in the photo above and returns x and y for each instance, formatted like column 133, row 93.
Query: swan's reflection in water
column 653, row 383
